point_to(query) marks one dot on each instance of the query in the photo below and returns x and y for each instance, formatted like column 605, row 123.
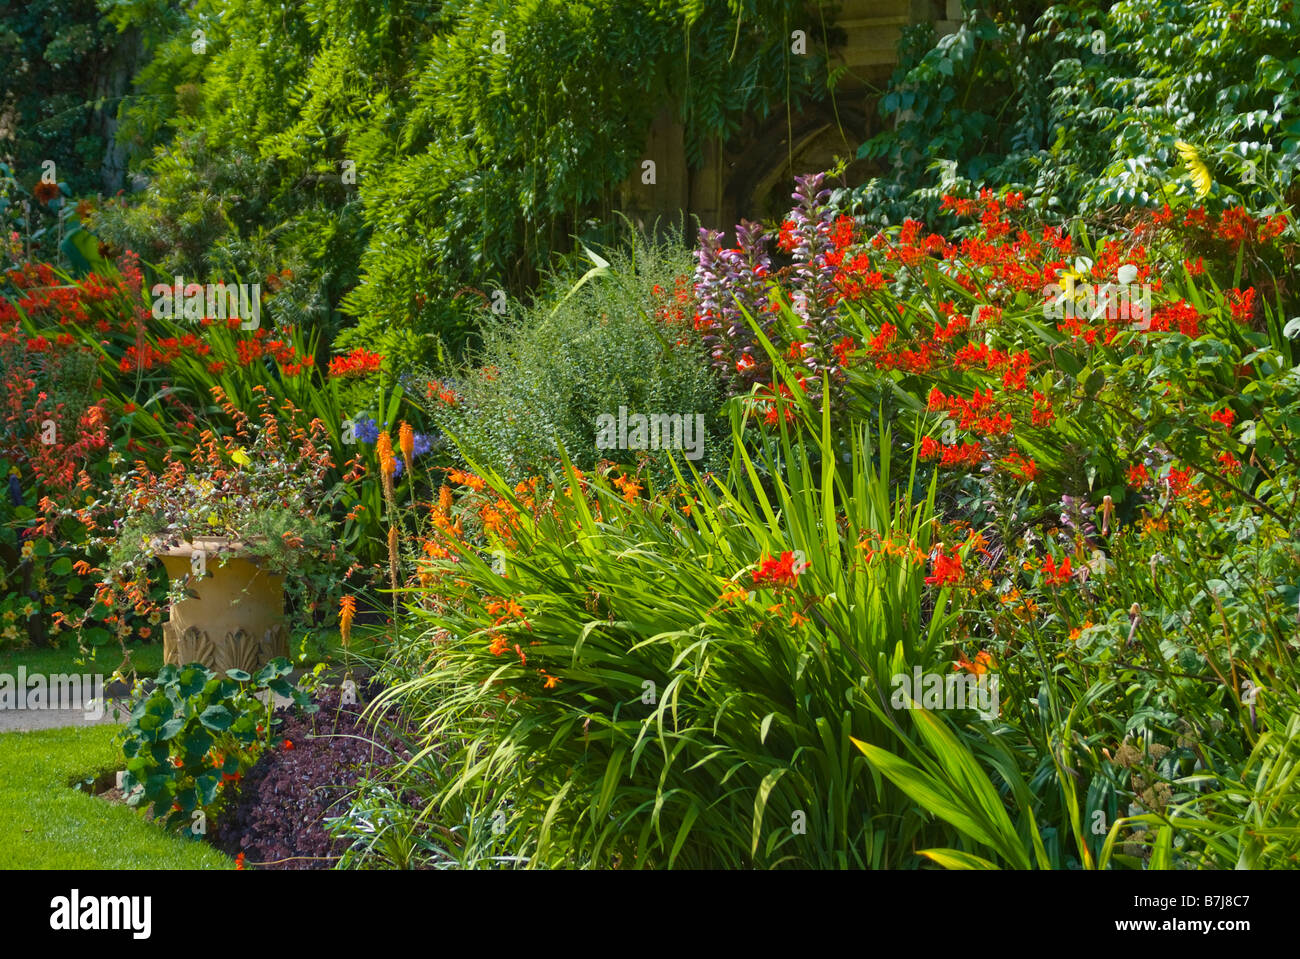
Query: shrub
column 617, row 337
column 1081, row 107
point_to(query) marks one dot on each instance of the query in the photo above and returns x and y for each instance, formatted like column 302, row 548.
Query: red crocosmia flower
column 787, row 240
column 1231, row 465
column 1021, row 466
column 1242, row 304
column 777, row 572
column 287, row 744
column 1224, row 417
column 946, row 569
column 930, row 448
column 842, row 234
column 356, row 365
column 1138, row 476
column 745, row 364
column 1056, row 575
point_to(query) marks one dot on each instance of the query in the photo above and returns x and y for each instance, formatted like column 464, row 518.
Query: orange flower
column 347, row 610
column 465, row 479
column 551, row 681
column 983, row 660
column 384, row 448
column 499, row 644
column 733, row 593
column 406, row 442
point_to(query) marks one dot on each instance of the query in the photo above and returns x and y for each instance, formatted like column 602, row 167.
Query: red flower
column 946, row 569
column 787, row 240
column 1138, row 476
column 1224, row 417
column 1056, row 576
column 355, row 365
column 1242, row 304
column 1231, row 465
column 774, row 572
column 287, row 744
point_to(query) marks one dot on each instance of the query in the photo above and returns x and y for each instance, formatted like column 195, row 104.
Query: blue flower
column 365, row 428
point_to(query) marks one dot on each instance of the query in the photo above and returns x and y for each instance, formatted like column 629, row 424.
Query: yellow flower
column 1196, row 169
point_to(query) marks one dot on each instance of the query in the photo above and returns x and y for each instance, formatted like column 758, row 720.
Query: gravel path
column 26, row 720
column 115, row 710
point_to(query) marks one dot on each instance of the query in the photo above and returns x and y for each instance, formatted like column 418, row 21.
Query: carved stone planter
column 237, row 619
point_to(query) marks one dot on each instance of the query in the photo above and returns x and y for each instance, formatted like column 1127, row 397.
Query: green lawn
column 46, row 824
column 147, row 659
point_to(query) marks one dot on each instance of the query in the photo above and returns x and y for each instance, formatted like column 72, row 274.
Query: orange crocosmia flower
column 550, row 682
column 981, row 664
column 466, row 479
column 732, row 593
column 499, row 644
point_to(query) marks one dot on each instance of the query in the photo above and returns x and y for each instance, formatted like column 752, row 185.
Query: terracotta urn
column 234, row 617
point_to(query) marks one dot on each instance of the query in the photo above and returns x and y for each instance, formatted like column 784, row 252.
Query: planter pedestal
column 237, row 621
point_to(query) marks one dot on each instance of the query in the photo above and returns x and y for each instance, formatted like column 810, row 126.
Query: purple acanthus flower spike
column 727, row 280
